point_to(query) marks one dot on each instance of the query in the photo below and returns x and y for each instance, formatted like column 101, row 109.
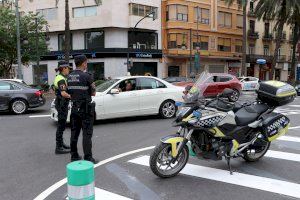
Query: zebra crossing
column 286, row 188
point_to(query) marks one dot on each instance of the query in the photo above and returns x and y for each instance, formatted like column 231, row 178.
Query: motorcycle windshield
column 196, row 93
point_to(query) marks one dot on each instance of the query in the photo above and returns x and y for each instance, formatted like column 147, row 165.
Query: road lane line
column 289, row 139
column 60, row 183
column 296, row 127
column 39, row 116
column 240, row 179
column 283, row 155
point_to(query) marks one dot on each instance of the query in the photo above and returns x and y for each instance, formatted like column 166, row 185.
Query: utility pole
column 37, row 43
column 19, row 70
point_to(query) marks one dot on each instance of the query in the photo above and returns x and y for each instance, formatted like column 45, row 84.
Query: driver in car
column 127, row 88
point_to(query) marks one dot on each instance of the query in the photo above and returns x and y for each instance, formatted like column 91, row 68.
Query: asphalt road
column 29, row 166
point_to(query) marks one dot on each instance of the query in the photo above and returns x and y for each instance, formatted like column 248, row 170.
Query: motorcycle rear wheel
column 258, row 155
column 161, row 157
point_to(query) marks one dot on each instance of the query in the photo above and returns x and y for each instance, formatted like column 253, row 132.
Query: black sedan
column 18, row 97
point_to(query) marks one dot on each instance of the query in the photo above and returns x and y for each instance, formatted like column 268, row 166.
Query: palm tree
column 67, row 26
column 280, row 11
column 243, row 4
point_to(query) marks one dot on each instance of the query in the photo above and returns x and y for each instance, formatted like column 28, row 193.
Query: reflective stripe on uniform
column 81, row 192
column 78, row 87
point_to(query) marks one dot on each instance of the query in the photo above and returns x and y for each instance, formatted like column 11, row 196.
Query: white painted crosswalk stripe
column 105, row 195
column 250, row 181
column 289, row 139
column 283, row 155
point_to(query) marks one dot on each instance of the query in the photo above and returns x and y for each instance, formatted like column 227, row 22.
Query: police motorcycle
column 216, row 129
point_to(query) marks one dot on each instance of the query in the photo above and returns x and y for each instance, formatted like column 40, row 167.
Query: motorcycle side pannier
column 275, row 125
column 276, row 93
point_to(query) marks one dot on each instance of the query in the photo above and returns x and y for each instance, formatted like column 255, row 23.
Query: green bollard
column 81, row 184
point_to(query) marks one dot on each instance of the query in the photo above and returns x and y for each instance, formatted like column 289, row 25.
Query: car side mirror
column 114, row 91
column 227, row 93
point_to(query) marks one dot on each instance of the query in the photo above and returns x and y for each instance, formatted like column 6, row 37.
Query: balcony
column 267, row 37
column 281, row 58
column 251, row 13
column 291, row 37
column 290, row 58
column 253, row 35
column 283, row 37
column 252, row 58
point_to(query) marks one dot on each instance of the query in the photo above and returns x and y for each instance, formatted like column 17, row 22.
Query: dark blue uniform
column 81, row 87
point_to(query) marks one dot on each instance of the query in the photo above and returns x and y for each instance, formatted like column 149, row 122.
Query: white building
column 104, row 33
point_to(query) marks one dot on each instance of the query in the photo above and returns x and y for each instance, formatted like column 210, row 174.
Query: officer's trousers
column 82, row 119
column 61, row 106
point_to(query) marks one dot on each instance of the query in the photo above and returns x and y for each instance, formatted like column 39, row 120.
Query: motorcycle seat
column 249, row 114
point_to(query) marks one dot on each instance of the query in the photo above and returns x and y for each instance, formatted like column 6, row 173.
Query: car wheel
column 19, row 106
column 168, row 109
column 235, row 96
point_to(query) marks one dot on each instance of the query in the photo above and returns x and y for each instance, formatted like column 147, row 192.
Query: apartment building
column 201, row 35
column 104, row 33
column 261, row 45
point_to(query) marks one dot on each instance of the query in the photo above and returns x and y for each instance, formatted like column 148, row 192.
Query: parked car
column 215, row 84
column 249, row 83
column 18, row 97
column 148, row 95
column 15, row 80
column 297, row 88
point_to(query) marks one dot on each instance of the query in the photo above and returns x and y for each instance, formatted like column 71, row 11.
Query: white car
column 249, row 83
column 149, row 95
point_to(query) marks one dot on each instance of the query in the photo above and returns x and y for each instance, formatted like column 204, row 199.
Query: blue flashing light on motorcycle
column 197, row 114
column 178, row 104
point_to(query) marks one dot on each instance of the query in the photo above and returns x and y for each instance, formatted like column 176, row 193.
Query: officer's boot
column 60, row 149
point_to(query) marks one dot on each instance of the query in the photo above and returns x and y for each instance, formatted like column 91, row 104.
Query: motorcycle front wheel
column 160, row 161
column 259, row 153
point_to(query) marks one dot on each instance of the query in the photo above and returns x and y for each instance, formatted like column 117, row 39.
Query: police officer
column 81, row 88
column 61, row 105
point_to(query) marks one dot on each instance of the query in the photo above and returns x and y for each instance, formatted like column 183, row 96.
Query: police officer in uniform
column 81, row 88
column 61, row 105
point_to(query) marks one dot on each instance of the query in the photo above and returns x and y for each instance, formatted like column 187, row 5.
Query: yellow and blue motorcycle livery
column 216, row 129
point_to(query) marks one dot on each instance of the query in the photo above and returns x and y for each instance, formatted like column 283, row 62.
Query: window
column 251, row 6
column 177, row 12
column 176, row 40
column 150, row 83
column 239, row 23
column 251, row 49
column 142, row 40
column 85, row 11
column 94, row 40
column 49, row 14
column 140, row 10
column 203, row 42
column 223, row 78
column 5, row 86
column 252, row 26
column 267, row 29
column 40, row 74
column 97, row 70
column 239, row 46
column 224, row 44
column 127, row 85
column 266, row 50
column 201, row 15
column 61, row 42
column 225, row 19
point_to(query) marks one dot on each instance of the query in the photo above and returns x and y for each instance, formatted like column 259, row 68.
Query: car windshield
column 196, row 92
column 240, row 78
column 104, row 86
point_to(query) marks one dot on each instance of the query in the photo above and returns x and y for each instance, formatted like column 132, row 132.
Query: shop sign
column 143, row 55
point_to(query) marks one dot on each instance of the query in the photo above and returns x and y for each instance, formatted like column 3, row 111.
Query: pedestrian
column 61, row 105
column 81, row 88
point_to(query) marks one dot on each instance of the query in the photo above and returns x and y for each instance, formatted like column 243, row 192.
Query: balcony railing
column 268, row 37
column 251, row 13
column 252, row 34
column 290, row 58
column 281, row 58
column 283, row 36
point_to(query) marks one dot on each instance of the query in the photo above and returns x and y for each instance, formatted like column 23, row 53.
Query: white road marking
column 250, row 181
column 296, row 106
column 289, row 139
column 283, row 155
column 296, row 127
column 39, row 116
column 105, row 195
column 60, row 183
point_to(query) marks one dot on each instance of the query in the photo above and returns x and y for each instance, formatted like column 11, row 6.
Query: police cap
column 63, row 64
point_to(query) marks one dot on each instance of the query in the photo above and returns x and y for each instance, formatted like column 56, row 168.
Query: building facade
column 261, row 45
column 104, row 33
column 201, row 35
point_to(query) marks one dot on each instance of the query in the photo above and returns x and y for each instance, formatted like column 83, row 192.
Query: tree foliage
column 32, row 29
